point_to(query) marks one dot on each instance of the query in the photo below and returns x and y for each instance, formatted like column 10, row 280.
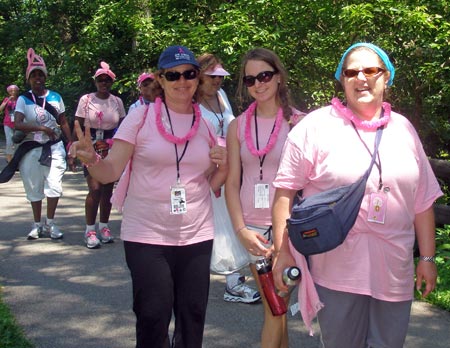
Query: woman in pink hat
column 148, row 90
column 9, row 104
column 216, row 108
column 41, row 155
column 102, row 112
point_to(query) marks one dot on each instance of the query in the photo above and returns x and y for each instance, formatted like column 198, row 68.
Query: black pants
column 166, row 279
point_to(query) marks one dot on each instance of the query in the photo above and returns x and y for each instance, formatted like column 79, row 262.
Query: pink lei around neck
column 367, row 125
column 170, row 137
column 249, row 113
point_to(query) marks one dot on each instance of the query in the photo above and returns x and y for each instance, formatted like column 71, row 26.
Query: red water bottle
column 276, row 303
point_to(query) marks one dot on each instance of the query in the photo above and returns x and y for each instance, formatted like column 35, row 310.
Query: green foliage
column 74, row 36
column 441, row 295
column 11, row 336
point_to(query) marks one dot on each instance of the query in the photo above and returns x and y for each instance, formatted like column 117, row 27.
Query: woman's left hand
column 426, row 275
column 218, row 155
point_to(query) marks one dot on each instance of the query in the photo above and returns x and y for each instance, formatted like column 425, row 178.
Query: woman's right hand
column 254, row 242
column 83, row 149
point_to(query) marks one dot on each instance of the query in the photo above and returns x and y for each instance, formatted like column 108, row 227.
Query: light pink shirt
column 251, row 167
column 102, row 113
column 324, row 152
column 146, row 211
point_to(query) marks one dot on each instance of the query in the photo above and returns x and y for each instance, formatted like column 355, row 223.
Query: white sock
column 90, row 228
column 38, row 224
column 49, row 222
column 102, row 225
column 232, row 279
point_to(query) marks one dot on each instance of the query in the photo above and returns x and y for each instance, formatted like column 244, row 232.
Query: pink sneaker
column 105, row 235
column 91, row 240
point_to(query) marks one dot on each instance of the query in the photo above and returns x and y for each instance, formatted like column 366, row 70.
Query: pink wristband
column 97, row 160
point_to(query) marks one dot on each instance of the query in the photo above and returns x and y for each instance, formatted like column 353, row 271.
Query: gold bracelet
column 97, row 160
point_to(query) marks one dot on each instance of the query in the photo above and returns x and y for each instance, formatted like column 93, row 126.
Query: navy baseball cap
column 176, row 55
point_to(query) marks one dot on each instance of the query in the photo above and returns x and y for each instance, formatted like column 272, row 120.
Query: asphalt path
column 66, row 296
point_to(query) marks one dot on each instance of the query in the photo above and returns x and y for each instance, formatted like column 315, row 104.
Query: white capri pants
column 41, row 181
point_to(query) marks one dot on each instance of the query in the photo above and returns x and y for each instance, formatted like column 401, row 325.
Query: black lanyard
column 261, row 160
column 220, row 119
column 176, row 148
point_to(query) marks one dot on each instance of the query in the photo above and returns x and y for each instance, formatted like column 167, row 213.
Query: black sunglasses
column 215, row 76
column 264, row 76
column 175, row 75
column 104, row 80
column 146, row 83
column 368, row 72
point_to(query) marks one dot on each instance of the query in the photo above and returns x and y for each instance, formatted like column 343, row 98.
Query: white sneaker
column 91, row 240
column 35, row 233
column 241, row 293
column 52, row 231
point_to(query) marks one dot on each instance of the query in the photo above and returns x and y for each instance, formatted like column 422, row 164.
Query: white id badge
column 377, row 207
column 178, row 203
column 99, row 134
column 261, row 196
column 38, row 137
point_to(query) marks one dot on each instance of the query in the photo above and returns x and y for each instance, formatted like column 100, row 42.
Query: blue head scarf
column 383, row 56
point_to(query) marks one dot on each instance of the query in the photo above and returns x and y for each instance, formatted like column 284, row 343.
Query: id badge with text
column 377, row 207
column 99, row 134
column 261, row 196
column 178, row 204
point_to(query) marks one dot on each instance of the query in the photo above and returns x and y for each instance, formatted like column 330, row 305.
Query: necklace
column 273, row 136
column 367, row 125
column 170, row 137
column 220, row 119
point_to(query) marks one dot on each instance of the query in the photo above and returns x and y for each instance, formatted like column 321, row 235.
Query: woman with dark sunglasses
column 365, row 285
column 172, row 164
column 101, row 112
column 254, row 143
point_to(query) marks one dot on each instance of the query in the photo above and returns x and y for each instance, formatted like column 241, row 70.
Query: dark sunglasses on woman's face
column 215, row 76
column 146, row 83
column 368, row 72
column 104, row 81
column 263, row 77
column 175, row 75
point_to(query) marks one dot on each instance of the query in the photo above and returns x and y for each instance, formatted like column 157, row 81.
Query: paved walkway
column 66, row 296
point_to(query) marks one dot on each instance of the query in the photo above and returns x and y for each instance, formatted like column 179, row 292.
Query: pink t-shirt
column 102, row 113
column 324, row 152
column 251, row 167
column 146, row 211
column 9, row 109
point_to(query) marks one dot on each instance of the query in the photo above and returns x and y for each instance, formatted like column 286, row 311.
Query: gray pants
column 360, row 321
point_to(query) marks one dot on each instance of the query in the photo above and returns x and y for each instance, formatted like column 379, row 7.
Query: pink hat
column 104, row 70
column 35, row 62
column 144, row 76
column 11, row 87
column 217, row 70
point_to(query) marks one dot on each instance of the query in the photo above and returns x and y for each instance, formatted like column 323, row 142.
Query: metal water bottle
column 276, row 303
column 291, row 277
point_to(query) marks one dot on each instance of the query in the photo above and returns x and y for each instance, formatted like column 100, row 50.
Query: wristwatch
column 427, row 258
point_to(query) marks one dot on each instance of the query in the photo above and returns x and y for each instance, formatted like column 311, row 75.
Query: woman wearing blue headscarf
column 365, row 285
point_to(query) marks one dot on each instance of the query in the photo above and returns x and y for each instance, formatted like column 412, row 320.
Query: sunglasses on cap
column 175, row 75
column 263, row 77
column 368, row 72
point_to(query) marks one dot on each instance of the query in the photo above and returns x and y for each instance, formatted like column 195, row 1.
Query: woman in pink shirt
column 366, row 284
column 254, row 142
column 102, row 112
column 167, row 225
column 8, row 105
